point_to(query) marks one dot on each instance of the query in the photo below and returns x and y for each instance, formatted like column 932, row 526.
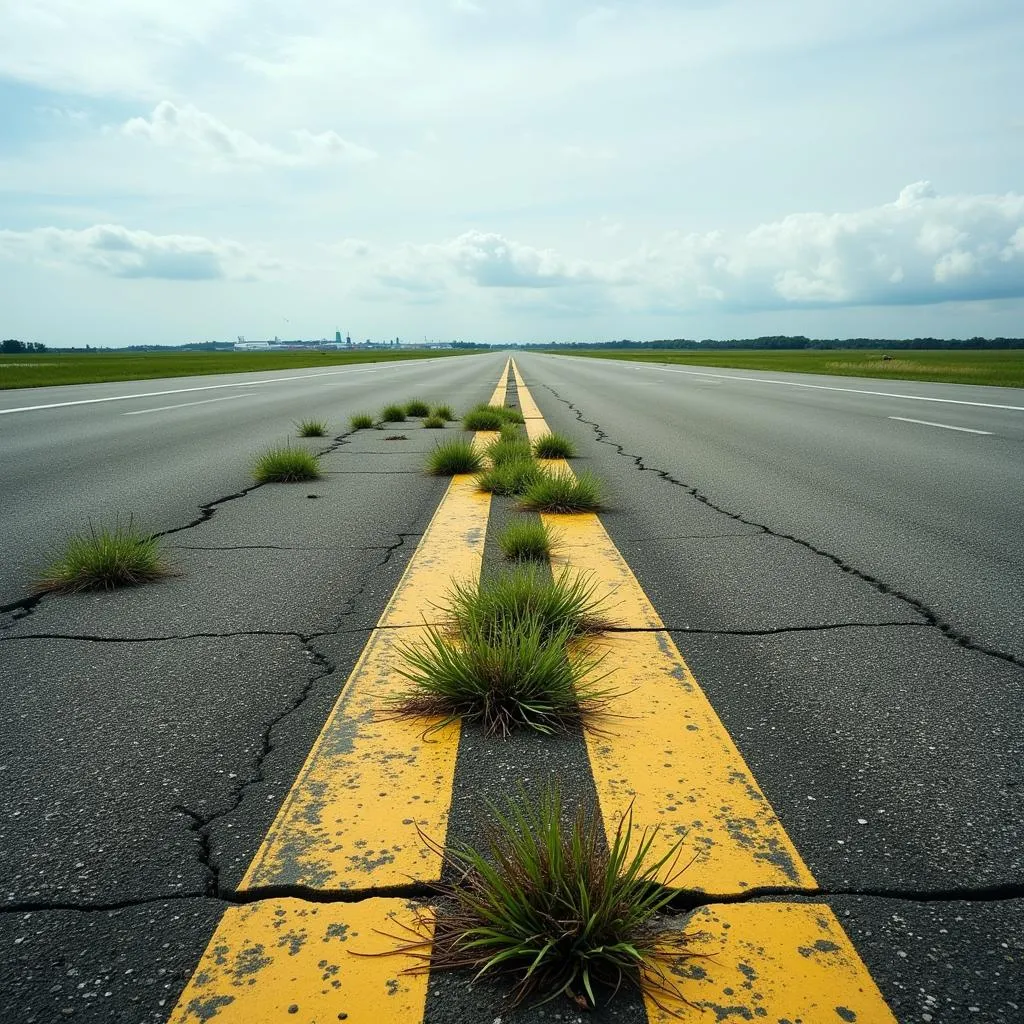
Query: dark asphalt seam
column 931, row 617
column 276, row 547
column 90, row 638
column 685, row 901
column 760, row 632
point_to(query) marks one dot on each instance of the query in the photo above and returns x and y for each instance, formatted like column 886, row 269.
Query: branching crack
column 201, row 823
column 932, row 618
column 761, row 632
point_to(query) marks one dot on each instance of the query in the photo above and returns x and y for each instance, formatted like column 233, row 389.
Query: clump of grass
column 567, row 604
column 490, row 417
column 563, row 492
column 452, row 457
column 508, row 478
column 510, row 432
column 104, row 559
column 286, row 465
column 443, row 412
column 434, row 423
column 554, row 446
column 558, row 910
column 509, row 450
column 417, row 407
column 482, row 419
column 525, row 540
column 393, row 414
column 516, row 675
column 361, row 421
column 311, row 428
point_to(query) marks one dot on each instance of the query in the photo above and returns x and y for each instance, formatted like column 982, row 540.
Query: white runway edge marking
column 945, row 426
column 185, row 391
column 852, row 391
column 183, row 405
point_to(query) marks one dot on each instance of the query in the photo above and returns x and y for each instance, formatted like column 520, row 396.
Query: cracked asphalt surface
column 851, row 598
column 849, row 595
column 152, row 734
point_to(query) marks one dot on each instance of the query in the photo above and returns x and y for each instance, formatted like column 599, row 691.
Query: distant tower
column 337, row 337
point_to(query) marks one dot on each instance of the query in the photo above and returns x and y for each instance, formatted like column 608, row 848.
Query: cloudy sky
column 510, row 170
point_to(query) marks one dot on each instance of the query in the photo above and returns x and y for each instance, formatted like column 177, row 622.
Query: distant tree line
column 11, row 345
column 798, row 341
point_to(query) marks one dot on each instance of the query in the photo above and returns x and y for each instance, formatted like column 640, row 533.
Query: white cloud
column 120, row 252
column 921, row 249
column 202, row 135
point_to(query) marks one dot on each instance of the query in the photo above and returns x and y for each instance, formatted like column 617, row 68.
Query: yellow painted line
column 775, row 962
column 350, row 822
column 669, row 756
column 289, row 960
column 531, row 412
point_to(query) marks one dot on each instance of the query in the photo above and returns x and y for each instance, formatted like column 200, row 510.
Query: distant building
column 337, row 337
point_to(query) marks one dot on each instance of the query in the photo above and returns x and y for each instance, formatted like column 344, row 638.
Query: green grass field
column 36, row 370
column 1002, row 367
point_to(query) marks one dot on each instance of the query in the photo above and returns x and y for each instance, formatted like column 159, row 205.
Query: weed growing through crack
column 490, row 417
column 514, row 674
column 105, row 559
column 525, row 540
column 434, row 423
column 511, row 432
column 567, row 603
column 563, row 492
column 554, row 446
column 452, row 457
column 443, row 412
column 558, row 911
column 509, row 478
column 507, row 449
column 311, row 428
column 286, row 465
column 361, row 421
column 417, row 408
column 393, row 414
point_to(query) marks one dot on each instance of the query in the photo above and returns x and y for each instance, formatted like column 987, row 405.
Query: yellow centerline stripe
column 349, row 822
column 669, row 756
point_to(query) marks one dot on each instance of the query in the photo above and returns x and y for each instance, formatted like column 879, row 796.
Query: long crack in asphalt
column 932, row 618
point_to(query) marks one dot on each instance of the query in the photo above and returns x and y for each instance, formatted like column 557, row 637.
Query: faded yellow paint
column 535, row 425
column 350, row 820
column 498, row 396
column 289, row 960
column 774, row 962
column 669, row 754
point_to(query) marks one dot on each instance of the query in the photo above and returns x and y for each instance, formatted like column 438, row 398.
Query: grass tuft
column 554, row 446
column 511, row 432
column 105, row 559
column 525, row 540
column 562, row 492
column 393, row 414
column 509, row 450
column 490, row 417
column 361, row 421
column 284, row 464
column 558, row 910
column 434, row 423
column 514, row 675
column 417, row 408
column 566, row 604
column 311, row 428
column 452, row 457
column 509, row 478
column 444, row 412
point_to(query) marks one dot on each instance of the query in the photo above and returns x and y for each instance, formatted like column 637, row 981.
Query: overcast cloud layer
column 510, row 171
